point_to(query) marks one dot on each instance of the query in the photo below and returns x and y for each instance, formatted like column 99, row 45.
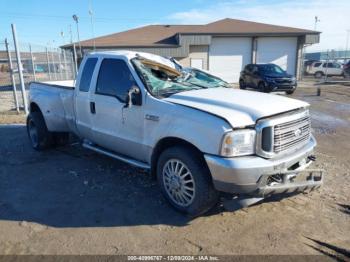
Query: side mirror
column 133, row 97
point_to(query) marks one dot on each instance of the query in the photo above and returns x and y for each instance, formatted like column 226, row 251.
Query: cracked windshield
column 163, row 81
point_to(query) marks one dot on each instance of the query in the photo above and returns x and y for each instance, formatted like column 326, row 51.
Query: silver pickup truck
column 196, row 136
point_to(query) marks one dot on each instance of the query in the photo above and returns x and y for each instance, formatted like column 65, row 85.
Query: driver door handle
column 92, row 108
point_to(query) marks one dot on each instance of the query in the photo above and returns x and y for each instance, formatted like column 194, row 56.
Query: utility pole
column 12, row 75
column 64, row 57
column 70, row 33
column 316, row 21
column 76, row 19
column 91, row 13
column 347, row 44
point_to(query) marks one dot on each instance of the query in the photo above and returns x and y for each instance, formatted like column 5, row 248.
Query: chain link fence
column 38, row 63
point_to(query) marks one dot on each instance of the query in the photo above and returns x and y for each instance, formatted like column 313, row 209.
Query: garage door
column 278, row 50
column 228, row 56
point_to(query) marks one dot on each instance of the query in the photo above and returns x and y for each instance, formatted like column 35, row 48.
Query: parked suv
column 267, row 78
column 319, row 69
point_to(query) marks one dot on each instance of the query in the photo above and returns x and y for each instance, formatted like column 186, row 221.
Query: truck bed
column 66, row 84
column 56, row 101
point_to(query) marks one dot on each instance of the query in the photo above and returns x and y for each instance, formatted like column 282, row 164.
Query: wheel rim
column 33, row 133
column 178, row 182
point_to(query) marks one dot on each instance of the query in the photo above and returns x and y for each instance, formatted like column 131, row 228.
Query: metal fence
column 37, row 63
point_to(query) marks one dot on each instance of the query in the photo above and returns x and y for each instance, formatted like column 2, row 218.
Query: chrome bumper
column 252, row 174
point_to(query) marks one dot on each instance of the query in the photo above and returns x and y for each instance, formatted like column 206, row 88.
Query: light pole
column 76, row 19
column 316, row 21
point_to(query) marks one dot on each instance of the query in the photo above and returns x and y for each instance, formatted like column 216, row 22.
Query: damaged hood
column 238, row 107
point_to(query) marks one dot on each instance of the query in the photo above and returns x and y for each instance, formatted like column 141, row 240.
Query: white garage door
column 278, row 50
column 228, row 56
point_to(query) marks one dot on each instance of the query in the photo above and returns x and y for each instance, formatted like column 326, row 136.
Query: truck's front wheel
column 38, row 134
column 185, row 181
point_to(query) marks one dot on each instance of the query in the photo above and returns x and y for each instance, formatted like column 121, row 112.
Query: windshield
column 271, row 69
column 163, row 81
column 201, row 78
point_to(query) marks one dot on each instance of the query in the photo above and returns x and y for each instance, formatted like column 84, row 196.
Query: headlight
column 294, row 79
column 238, row 143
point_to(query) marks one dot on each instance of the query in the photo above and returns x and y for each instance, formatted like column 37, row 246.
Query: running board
column 106, row 152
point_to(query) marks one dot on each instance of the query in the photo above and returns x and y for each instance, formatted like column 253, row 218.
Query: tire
column 202, row 195
column 290, row 92
column 38, row 134
column 262, row 87
column 242, row 84
column 318, row 74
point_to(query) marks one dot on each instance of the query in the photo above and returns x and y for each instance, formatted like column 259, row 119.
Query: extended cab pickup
column 196, row 136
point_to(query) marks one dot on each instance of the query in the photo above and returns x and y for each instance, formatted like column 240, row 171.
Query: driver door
column 114, row 126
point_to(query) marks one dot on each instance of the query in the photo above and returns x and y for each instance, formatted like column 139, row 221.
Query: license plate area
column 293, row 176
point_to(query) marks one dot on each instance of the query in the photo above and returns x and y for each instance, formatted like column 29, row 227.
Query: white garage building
column 223, row 47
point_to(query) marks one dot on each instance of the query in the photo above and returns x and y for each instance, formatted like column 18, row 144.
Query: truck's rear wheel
column 185, row 181
column 38, row 134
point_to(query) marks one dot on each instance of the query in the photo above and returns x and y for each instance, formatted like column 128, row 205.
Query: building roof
column 165, row 35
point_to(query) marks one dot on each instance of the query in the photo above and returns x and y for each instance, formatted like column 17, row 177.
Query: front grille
column 291, row 134
column 283, row 133
column 283, row 81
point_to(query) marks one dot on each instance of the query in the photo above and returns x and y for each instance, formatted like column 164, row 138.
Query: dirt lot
column 73, row 201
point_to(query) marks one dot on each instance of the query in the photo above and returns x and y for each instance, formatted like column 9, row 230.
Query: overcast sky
column 41, row 21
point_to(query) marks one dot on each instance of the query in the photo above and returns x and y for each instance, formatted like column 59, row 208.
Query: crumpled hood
column 238, row 107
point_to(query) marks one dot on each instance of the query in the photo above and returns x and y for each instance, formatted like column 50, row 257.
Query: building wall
column 196, row 51
column 199, row 46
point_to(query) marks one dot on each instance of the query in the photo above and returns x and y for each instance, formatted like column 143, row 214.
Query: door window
column 86, row 75
column 114, row 79
column 328, row 65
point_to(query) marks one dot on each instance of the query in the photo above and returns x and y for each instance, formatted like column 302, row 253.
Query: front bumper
column 272, row 86
column 257, row 176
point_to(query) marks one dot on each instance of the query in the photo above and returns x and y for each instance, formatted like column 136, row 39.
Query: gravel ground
column 73, row 201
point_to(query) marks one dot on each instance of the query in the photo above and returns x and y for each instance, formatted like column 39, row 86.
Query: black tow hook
column 312, row 158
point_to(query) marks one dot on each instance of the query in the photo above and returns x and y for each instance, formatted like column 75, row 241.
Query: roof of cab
column 132, row 54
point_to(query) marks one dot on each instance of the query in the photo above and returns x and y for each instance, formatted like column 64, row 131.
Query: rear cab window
column 317, row 64
column 86, row 75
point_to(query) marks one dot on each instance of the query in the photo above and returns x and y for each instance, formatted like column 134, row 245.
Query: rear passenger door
column 82, row 98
